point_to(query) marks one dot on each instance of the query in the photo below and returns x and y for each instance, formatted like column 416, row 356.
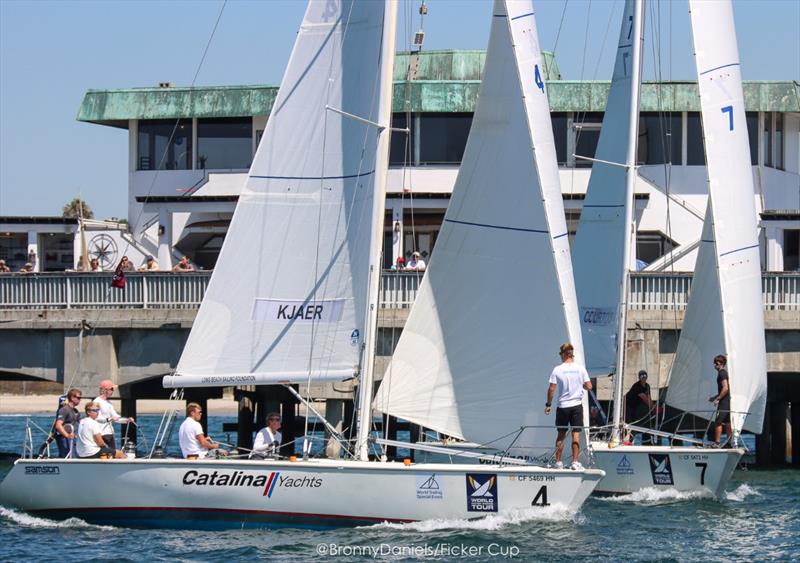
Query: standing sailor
column 108, row 414
column 722, row 400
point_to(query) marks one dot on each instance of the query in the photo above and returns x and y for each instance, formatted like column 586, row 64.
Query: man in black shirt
column 67, row 423
column 638, row 404
column 722, row 400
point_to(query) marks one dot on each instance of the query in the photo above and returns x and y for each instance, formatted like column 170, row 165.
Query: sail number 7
column 702, row 467
column 729, row 111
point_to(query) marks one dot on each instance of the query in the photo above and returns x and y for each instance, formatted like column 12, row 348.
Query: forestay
column 288, row 297
column 498, row 298
column 725, row 312
column 599, row 246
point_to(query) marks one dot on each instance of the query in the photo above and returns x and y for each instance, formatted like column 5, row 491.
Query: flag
column 119, row 277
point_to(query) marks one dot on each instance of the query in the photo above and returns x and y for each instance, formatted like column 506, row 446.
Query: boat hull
column 219, row 494
column 633, row 468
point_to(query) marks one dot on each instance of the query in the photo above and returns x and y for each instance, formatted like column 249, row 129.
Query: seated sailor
column 90, row 441
column 193, row 441
column 268, row 439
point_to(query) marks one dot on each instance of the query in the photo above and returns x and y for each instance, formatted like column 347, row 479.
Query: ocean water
column 758, row 520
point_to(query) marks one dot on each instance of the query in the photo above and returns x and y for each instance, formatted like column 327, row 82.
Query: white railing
column 72, row 290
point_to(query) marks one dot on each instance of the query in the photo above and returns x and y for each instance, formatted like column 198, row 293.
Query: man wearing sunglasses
column 108, row 414
column 67, row 423
column 90, row 443
column 268, row 439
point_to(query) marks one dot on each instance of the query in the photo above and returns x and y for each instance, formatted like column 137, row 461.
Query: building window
column 695, row 148
column 165, row 144
column 401, row 152
column 766, row 135
column 659, row 138
column 559, row 120
column 224, row 143
column 752, row 135
column 650, row 246
column 586, row 128
column 791, row 250
column 443, row 137
column 387, row 338
column 779, row 141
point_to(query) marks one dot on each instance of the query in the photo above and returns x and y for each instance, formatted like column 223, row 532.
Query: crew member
column 193, row 441
column 722, row 400
column 268, row 439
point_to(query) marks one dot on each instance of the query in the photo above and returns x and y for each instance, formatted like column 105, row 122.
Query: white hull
column 633, row 468
column 214, row 494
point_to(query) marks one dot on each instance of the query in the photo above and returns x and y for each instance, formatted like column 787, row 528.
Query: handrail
column 184, row 290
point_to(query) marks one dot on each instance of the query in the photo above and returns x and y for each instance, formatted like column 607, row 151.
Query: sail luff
column 378, row 213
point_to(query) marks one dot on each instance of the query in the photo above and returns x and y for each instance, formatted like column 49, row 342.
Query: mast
column 637, row 39
column 378, row 213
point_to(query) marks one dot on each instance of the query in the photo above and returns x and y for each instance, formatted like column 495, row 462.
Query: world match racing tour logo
column 269, row 483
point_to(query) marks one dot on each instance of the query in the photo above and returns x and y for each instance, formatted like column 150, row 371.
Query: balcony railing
column 61, row 290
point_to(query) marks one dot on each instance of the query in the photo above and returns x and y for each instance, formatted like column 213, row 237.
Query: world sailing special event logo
column 429, row 487
column 267, row 484
column 661, row 469
column 482, row 492
column 624, row 467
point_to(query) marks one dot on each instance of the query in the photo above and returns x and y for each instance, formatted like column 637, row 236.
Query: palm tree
column 77, row 208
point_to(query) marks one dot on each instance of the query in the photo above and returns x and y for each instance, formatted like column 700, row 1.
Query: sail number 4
column 541, row 497
column 537, row 78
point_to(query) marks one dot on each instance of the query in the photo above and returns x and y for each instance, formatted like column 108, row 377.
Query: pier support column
column 763, row 440
column 389, row 431
column 777, row 423
column 128, row 431
column 289, row 429
column 334, row 412
column 244, row 433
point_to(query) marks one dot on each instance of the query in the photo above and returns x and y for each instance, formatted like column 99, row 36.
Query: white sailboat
column 724, row 314
column 293, row 299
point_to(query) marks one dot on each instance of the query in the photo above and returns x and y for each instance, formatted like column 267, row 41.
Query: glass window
column 791, row 250
column 400, row 149
column 443, row 137
column 767, row 138
column 586, row 127
column 659, row 138
column 224, row 143
column 650, row 246
column 779, row 141
column 387, row 338
column 752, row 135
column 164, row 143
column 559, row 120
column 695, row 148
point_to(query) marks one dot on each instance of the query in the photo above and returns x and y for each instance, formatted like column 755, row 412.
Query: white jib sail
column 498, row 299
column 725, row 314
column 598, row 252
column 287, row 299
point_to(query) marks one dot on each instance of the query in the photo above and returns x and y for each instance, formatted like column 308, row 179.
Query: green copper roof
column 442, row 82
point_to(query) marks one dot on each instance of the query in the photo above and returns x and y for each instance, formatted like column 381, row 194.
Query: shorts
column 572, row 416
column 723, row 412
column 103, row 451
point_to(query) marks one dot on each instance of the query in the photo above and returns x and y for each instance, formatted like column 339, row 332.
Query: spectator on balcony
column 3, row 268
column 94, row 265
column 400, row 264
column 126, row 265
column 150, row 265
column 27, row 268
column 183, row 266
column 416, row 263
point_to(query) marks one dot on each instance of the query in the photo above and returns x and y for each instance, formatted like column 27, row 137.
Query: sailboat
column 724, row 314
column 293, row 299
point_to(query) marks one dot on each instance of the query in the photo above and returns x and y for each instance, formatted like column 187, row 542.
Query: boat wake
column 651, row 495
column 29, row 521
column 554, row 513
column 742, row 492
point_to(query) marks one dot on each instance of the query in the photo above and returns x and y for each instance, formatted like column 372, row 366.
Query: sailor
column 268, row 439
column 193, row 441
column 108, row 414
column 67, row 423
column 638, row 404
column 570, row 378
column 90, row 441
column 722, row 400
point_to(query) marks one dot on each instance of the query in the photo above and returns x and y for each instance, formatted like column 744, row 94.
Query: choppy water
column 759, row 519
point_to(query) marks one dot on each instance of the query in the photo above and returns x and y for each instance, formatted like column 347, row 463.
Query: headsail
column 288, row 297
column 599, row 247
column 725, row 314
column 498, row 298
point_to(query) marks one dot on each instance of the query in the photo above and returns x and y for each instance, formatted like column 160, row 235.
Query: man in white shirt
column 570, row 379
column 268, row 439
column 108, row 414
column 416, row 263
column 90, row 441
column 193, row 441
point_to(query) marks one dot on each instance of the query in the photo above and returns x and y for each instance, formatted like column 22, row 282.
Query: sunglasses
column 273, row 419
column 94, row 410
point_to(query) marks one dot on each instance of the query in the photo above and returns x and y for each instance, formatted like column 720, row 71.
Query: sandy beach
column 39, row 404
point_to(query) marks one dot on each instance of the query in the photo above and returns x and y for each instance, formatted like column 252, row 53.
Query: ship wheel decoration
column 104, row 248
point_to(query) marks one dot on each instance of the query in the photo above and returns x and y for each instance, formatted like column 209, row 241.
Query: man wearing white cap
column 108, row 413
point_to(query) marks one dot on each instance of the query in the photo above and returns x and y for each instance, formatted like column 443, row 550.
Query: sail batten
column 497, row 299
column 289, row 293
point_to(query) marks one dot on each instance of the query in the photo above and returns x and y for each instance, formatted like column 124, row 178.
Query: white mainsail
column 599, row 249
column 498, row 298
column 725, row 312
column 289, row 295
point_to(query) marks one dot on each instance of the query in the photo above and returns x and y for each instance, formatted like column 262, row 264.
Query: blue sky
column 51, row 52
